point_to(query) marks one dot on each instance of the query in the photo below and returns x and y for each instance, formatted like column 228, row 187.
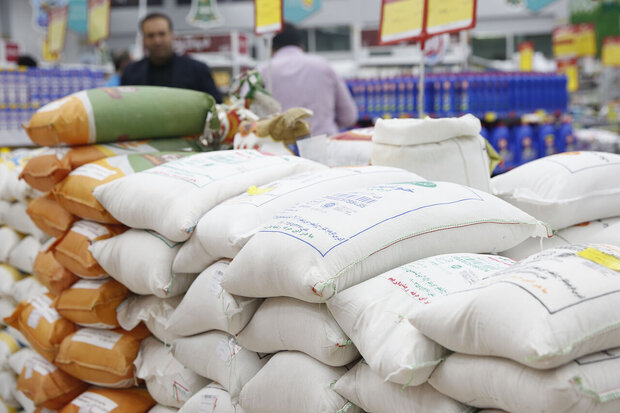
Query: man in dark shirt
column 162, row 67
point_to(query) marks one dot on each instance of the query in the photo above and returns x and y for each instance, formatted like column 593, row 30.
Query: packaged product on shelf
column 120, row 114
column 342, row 239
column 217, row 356
column 373, row 313
column 102, row 357
column 47, row 386
column 283, row 323
column 41, row 324
column 601, row 231
column 153, row 311
column 9, row 275
column 25, row 252
column 560, row 303
column 9, row 238
column 50, row 272
column 171, row 198
column 214, row 398
column 564, row 189
column 18, row 219
column 142, row 260
column 75, row 192
column 92, row 303
column 49, row 216
column 167, row 380
column 111, row 401
column 72, row 249
column 207, row 306
column 448, row 149
column 293, row 381
column 584, row 385
column 44, row 171
column 366, row 389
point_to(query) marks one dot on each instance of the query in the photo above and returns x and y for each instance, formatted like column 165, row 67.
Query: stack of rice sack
column 75, row 327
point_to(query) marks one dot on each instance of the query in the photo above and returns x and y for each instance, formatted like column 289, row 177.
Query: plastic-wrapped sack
column 171, row 198
column 560, row 303
column 92, row 303
column 47, row 386
column 102, row 357
column 75, row 192
column 111, row 401
column 49, row 216
column 72, row 250
column 167, row 380
column 120, row 114
column 294, row 382
column 46, row 170
column 155, row 312
column 214, row 398
column 41, row 324
column 342, row 239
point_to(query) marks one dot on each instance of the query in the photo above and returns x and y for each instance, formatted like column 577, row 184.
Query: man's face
column 157, row 38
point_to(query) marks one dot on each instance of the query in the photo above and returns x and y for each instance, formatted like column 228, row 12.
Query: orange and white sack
column 564, row 189
column 154, row 311
column 283, row 323
column 295, row 382
column 342, row 239
column 446, row 149
column 92, row 303
column 366, row 389
column 72, row 250
column 219, row 357
column 47, row 386
column 560, row 303
column 49, row 272
column 111, row 401
column 41, row 325
column 49, row 216
column 101, row 357
column 214, row 398
column 18, row 360
column 142, row 260
column 25, row 252
column 588, row 384
column 373, row 313
column 167, row 380
column 171, row 198
column 27, row 288
column 207, row 306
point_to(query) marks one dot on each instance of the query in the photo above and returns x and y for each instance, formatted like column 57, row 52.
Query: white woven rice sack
column 7, row 306
column 206, row 306
column 27, row 288
column 543, row 311
column 225, row 229
column 283, row 323
column 25, row 252
column 564, row 189
column 18, row 189
column 212, row 399
column 366, row 389
column 602, row 231
column 326, row 245
column 18, row 360
column 294, row 382
column 192, row 257
column 589, row 384
column 17, row 218
column 374, row 312
column 217, row 356
column 26, row 404
column 4, row 209
column 142, row 260
column 447, row 149
column 8, row 277
column 172, row 197
column 158, row 408
column 9, row 238
column 8, row 386
column 167, row 380
column 9, row 345
column 155, row 312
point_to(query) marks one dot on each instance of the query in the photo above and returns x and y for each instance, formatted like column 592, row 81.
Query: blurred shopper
column 304, row 80
column 162, row 67
column 120, row 60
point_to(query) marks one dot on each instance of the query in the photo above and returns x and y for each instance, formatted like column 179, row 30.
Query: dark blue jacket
column 187, row 73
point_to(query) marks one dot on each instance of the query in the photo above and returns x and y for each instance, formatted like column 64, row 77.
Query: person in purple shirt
column 308, row 81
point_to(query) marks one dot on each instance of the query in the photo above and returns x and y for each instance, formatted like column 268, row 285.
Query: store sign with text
column 611, row 51
column 203, row 43
column 268, row 16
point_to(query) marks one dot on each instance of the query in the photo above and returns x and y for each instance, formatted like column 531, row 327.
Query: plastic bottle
column 500, row 139
column 547, row 139
column 566, row 140
column 526, row 144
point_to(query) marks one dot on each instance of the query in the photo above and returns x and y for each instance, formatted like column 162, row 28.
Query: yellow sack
column 111, row 401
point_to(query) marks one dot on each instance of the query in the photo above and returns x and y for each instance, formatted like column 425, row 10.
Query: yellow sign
column 98, row 20
column 611, row 51
column 601, row 258
column 267, row 16
column 526, row 53
column 56, row 29
column 450, row 15
column 401, row 20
